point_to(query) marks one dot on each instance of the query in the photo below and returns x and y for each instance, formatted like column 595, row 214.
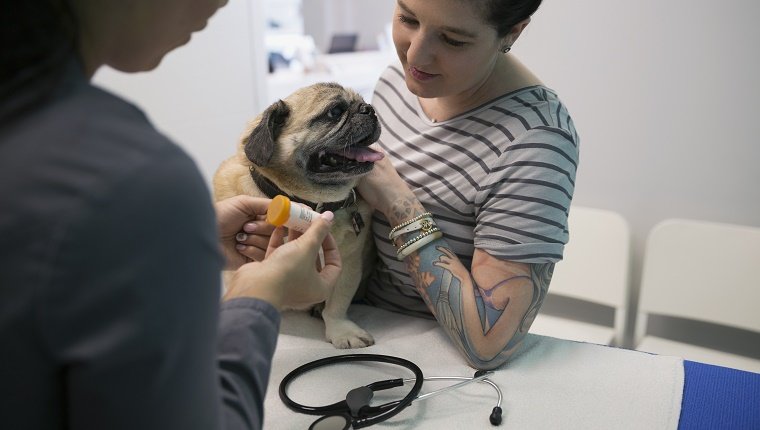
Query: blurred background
column 664, row 94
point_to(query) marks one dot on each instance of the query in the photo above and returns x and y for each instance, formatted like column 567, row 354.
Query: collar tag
column 357, row 222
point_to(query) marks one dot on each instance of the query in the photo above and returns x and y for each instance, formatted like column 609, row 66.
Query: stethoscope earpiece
column 495, row 416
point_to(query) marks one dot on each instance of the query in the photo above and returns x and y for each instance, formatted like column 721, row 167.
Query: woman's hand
column 244, row 235
column 382, row 187
column 291, row 273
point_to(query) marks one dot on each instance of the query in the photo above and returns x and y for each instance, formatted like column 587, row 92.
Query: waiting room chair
column 704, row 272
column 596, row 270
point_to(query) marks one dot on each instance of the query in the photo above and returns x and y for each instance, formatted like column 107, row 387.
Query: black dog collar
column 271, row 190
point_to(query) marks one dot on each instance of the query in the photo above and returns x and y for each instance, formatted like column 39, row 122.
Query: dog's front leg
column 339, row 330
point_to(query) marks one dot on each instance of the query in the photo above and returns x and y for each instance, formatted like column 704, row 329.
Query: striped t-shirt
column 499, row 177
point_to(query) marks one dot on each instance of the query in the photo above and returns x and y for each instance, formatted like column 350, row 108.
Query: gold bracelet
column 407, row 222
column 418, row 242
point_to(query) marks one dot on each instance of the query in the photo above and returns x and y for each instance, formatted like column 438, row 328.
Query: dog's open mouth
column 349, row 160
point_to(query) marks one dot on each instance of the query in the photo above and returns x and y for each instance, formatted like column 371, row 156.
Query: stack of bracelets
column 428, row 233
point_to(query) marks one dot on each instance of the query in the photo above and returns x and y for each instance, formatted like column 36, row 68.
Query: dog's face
column 315, row 138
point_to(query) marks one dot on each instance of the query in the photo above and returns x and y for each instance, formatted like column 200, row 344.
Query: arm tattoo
column 541, row 276
column 486, row 334
column 490, row 306
column 486, row 324
column 405, row 209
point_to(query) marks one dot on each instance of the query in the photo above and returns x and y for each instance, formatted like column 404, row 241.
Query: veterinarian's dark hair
column 37, row 40
column 504, row 14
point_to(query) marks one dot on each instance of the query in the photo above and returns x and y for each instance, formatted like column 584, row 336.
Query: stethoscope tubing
column 382, row 412
column 358, row 413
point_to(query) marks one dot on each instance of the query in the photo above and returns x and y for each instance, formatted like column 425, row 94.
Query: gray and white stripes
column 499, row 177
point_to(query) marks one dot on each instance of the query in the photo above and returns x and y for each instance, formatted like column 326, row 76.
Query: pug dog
column 313, row 147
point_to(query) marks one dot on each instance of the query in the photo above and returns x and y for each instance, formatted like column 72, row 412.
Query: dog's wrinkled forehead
column 313, row 101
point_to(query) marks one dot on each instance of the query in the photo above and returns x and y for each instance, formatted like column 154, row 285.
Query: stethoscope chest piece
column 332, row 422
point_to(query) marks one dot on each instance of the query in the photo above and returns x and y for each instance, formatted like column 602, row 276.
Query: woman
column 110, row 261
column 480, row 150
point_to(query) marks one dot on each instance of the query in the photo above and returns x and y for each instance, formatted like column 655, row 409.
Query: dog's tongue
column 362, row 154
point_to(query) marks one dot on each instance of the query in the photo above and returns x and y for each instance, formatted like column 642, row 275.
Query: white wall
column 665, row 97
column 203, row 94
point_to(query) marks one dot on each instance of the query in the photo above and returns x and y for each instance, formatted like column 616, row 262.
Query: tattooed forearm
column 403, row 209
column 494, row 296
column 495, row 300
column 541, row 276
column 486, row 324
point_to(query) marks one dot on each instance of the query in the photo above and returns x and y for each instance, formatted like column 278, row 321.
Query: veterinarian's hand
column 289, row 274
column 241, row 242
column 383, row 185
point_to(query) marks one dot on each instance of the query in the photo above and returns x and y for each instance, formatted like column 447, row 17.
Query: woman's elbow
column 491, row 361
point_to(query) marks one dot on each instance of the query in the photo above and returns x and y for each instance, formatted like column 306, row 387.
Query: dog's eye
column 336, row 112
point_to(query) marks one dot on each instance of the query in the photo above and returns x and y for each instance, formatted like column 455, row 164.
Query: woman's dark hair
column 505, row 14
column 37, row 40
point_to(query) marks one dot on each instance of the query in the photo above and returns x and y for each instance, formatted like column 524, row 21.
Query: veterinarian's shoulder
column 108, row 120
column 106, row 130
column 112, row 139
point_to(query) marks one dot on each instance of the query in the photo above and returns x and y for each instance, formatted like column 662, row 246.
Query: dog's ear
column 260, row 144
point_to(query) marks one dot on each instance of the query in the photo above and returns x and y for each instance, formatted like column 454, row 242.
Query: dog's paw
column 344, row 334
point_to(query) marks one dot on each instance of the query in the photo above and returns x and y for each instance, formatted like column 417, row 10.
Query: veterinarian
column 110, row 259
column 478, row 148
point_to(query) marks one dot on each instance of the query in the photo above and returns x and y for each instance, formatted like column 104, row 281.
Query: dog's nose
column 364, row 108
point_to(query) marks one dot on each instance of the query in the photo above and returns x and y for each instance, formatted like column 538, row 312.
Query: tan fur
column 298, row 132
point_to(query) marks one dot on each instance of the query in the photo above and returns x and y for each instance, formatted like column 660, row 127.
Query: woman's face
column 135, row 35
column 444, row 46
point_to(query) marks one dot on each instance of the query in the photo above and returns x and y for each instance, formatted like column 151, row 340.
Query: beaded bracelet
column 423, row 225
column 408, row 222
column 418, row 242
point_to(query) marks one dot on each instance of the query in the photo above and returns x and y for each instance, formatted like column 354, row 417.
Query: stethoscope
column 355, row 412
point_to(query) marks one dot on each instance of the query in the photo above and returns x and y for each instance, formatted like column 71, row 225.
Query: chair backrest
column 596, row 262
column 702, row 271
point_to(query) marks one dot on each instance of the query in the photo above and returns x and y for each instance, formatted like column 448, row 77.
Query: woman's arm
column 486, row 312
